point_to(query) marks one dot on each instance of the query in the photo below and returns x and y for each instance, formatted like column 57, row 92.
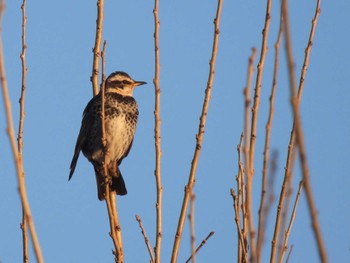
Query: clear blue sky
column 71, row 223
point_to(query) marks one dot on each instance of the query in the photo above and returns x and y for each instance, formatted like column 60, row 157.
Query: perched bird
column 121, row 113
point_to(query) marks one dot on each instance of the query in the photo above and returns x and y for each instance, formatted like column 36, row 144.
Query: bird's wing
column 84, row 129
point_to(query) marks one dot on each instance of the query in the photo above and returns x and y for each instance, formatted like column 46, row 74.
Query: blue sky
column 72, row 224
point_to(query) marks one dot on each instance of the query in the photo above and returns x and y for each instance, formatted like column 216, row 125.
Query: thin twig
column 291, row 221
column 247, row 101
column 21, row 122
column 299, row 132
column 285, row 210
column 157, row 135
column 24, row 79
column 143, row 231
column 199, row 136
column 192, row 228
column 238, row 201
column 97, row 47
column 254, row 124
column 246, row 146
column 284, row 187
column 201, row 245
column 262, row 210
column 290, row 252
column 242, row 251
column 17, row 157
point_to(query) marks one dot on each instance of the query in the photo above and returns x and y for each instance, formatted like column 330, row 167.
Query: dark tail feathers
column 117, row 185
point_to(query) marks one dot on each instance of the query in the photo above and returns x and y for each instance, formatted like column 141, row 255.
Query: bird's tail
column 117, row 183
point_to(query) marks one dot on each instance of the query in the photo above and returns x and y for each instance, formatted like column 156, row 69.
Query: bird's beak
column 139, row 83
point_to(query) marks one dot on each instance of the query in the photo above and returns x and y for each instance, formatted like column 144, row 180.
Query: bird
column 121, row 114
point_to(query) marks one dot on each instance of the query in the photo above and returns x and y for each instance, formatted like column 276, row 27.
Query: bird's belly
column 119, row 136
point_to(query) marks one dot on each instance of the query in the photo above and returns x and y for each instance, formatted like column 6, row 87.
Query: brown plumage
column 121, row 113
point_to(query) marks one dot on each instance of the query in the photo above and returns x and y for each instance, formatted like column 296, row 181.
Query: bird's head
column 121, row 83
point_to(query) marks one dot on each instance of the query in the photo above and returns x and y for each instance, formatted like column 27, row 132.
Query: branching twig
column 157, row 135
column 97, row 47
column 200, row 246
column 238, row 201
column 298, row 129
column 199, row 137
column 143, row 231
column 17, row 157
column 287, row 234
column 242, row 251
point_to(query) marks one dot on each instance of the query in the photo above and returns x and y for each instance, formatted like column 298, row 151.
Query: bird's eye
column 115, row 83
column 126, row 82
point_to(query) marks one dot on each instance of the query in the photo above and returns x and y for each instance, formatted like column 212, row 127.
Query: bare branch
column 157, row 135
column 192, row 228
column 17, row 157
column 290, row 252
column 262, row 214
column 299, row 132
column 21, row 122
column 97, row 48
column 199, row 136
column 200, row 246
column 143, row 231
column 111, row 201
column 246, row 93
column 238, row 201
column 254, row 121
column 245, row 207
column 287, row 234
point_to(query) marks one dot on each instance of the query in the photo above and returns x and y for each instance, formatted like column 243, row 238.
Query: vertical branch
column 250, row 171
column 157, row 135
column 110, row 196
column 247, row 98
column 258, row 85
column 97, row 48
column 245, row 208
column 199, row 136
column 24, row 78
column 299, row 132
column 17, row 157
column 262, row 214
column 21, row 122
